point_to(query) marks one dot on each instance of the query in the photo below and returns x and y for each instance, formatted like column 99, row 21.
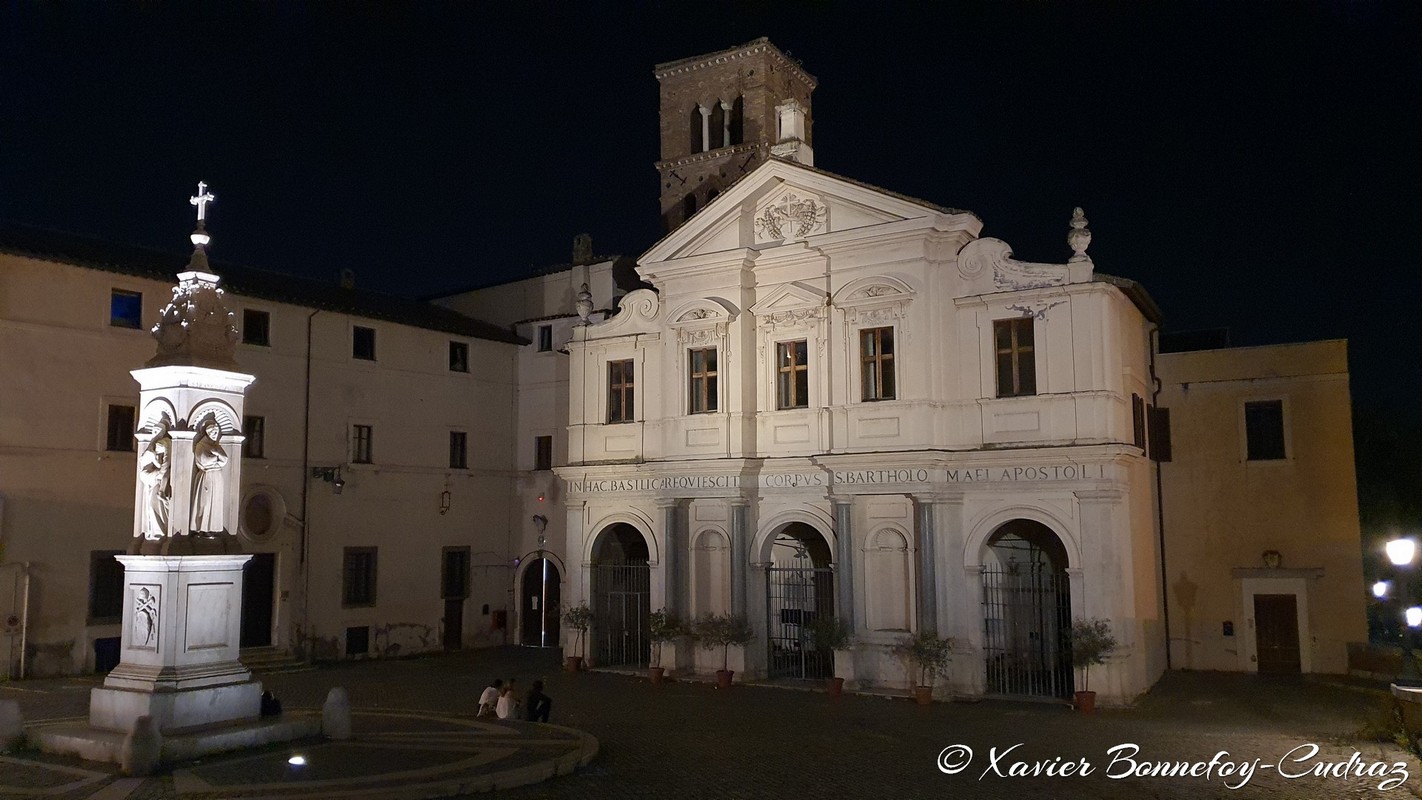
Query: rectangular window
column 792, row 374
column 362, row 447
column 876, row 363
column 105, row 587
column 358, row 581
column 543, row 452
column 1264, row 430
column 120, row 428
column 125, row 309
column 458, row 357
column 620, row 391
column 363, row 343
column 256, row 327
column 1138, row 421
column 458, row 450
column 255, row 429
column 545, row 338
column 703, row 380
column 1158, row 420
column 1016, row 361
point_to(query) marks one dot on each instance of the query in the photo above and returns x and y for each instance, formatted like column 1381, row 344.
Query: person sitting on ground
column 537, row 704
column 271, row 706
column 508, row 702
column 489, row 700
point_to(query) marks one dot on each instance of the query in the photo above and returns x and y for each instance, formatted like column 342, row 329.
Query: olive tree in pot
column 579, row 618
column 664, row 626
column 1091, row 643
column 929, row 657
column 722, row 630
column 830, row 634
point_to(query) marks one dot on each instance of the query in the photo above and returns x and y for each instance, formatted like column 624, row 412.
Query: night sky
column 1256, row 166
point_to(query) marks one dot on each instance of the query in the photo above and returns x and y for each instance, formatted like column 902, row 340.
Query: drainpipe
column 1160, row 500
column 305, row 549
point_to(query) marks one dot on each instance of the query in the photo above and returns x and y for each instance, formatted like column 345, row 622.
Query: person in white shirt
column 507, row 706
column 489, row 700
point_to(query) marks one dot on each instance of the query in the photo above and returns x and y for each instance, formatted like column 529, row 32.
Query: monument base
column 97, row 744
column 175, row 711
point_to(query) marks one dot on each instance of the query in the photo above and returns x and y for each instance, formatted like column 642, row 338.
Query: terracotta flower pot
column 1086, row 702
column 573, row 664
column 923, row 694
column 834, row 687
column 723, row 678
column 656, row 673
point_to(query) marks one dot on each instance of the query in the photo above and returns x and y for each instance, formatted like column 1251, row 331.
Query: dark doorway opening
column 799, row 590
column 1026, row 612
column 454, row 588
column 622, row 592
column 1276, row 632
column 540, row 603
column 258, row 600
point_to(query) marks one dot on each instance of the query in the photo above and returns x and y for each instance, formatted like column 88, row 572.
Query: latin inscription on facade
column 842, row 478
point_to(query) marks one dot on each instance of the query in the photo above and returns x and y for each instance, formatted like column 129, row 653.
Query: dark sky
column 1255, row 165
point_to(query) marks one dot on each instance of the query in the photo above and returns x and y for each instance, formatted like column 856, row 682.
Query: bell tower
column 722, row 116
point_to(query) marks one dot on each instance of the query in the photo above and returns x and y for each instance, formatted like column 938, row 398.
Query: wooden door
column 1276, row 634
column 454, row 581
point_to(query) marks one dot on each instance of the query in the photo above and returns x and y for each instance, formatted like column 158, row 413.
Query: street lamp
column 1401, row 553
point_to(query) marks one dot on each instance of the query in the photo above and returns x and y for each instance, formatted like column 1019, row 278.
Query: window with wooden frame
column 703, row 380
column 358, row 577
column 458, row 450
column 362, row 444
column 620, row 391
column 792, row 374
column 1016, row 358
column 876, row 364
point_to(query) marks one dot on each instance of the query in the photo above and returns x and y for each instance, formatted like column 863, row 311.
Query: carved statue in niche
column 209, row 485
column 153, row 472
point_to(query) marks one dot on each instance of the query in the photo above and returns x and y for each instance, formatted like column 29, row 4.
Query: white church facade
column 814, row 397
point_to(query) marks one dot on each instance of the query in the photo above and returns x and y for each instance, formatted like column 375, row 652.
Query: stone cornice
column 710, row 155
column 761, row 45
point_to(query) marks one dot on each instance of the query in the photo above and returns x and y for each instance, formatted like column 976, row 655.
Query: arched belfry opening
column 621, row 597
column 1026, row 612
column 799, row 590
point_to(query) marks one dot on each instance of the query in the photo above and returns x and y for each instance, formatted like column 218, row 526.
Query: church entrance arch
column 1026, row 612
column 621, row 595
column 799, row 590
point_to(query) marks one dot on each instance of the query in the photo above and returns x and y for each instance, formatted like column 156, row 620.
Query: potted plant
column 579, row 618
column 929, row 656
column 722, row 630
column 829, row 633
column 664, row 626
column 1091, row 643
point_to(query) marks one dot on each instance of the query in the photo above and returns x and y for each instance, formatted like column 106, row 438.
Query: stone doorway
column 799, row 590
column 1276, row 634
column 258, row 600
column 1026, row 612
column 621, row 580
column 540, row 604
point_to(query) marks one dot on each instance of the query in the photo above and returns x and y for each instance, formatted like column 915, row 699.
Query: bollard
column 142, row 748
column 336, row 715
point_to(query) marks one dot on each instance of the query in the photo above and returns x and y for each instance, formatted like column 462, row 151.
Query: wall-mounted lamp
column 331, row 475
column 444, row 502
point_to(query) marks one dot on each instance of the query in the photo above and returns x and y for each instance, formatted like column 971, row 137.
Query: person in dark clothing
column 537, row 704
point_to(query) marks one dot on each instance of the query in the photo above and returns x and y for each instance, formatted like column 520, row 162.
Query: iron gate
column 795, row 598
column 1026, row 629
column 621, row 607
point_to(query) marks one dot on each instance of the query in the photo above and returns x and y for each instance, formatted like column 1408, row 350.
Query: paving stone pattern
column 687, row 740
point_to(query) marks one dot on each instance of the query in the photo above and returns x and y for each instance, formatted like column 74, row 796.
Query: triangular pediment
column 788, row 297
column 781, row 202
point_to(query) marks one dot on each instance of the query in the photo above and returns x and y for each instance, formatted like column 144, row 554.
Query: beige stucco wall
column 1223, row 511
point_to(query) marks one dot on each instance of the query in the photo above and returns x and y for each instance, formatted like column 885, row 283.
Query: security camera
column 339, row 484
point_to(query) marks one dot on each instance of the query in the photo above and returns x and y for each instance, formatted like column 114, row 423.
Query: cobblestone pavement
column 688, row 740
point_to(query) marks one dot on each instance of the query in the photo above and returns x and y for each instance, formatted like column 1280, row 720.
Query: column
column 726, row 130
column 674, row 555
column 740, row 554
column 844, row 578
column 575, row 588
column 924, row 508
column 705, row 127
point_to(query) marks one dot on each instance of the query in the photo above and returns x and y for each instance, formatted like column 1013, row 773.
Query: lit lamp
column 1401, row 553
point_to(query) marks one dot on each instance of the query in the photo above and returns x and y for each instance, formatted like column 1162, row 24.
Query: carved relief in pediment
column 877, row 300
column 790, row 214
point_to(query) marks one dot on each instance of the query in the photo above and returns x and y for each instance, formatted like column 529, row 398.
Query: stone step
column 272, row 661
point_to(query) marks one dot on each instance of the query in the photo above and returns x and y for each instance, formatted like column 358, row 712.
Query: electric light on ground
column 1401, row 551
column 1380, row 589
column 300, row 761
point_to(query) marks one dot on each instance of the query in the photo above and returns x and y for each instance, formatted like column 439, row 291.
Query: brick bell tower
column 723, row 114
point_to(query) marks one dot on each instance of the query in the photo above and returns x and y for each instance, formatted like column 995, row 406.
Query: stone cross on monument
column 201, row 200
column 179, row 677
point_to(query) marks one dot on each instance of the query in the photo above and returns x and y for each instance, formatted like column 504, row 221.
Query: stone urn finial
column 584, row 306
column 1080, row 236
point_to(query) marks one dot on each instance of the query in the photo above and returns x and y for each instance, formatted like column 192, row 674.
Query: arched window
column 710, row 574
column 738, row 121
column 717, row 127
column 712, row 195
column 888, row 575
column 688, row 207
column 697, row 143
